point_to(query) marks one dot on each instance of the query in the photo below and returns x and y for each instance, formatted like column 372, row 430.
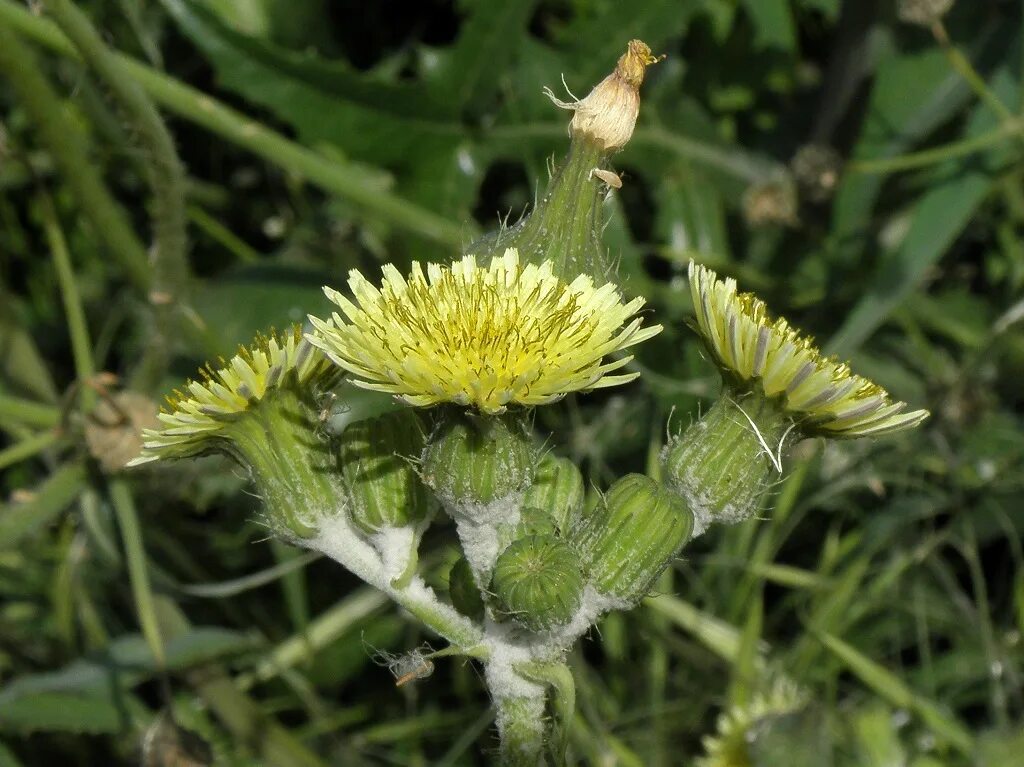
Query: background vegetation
column 885, row 581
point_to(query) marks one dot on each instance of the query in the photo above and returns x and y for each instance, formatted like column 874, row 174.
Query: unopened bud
column 567, row 225
column 631, row 536
column 473, row 462
column 383, row 487
column 537, row 582
column 608, row 114
column 558, row 490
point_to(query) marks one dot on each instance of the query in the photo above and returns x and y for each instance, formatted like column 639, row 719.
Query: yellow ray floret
column 483, row 336
column 197, row 414
column 823, row 395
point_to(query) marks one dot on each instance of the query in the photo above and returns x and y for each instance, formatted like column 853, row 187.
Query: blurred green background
column 863, row 175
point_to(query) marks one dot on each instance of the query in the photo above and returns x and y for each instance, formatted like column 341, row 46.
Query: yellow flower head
column 824, row 396
column 730, row 746
column 482, row 336
column 197, row 415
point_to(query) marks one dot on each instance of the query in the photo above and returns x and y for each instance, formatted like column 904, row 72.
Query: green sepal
column 278, row 440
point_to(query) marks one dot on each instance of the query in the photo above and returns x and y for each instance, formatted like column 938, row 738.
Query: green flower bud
column 537, row 582
column 463, row 592
column 631, row 536
column 534, row 521
column 725, row 463
column 383, row 487
column 473, row 462
column 558, row 490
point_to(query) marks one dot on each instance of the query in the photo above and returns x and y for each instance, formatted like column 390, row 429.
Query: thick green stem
column 70, row 150
column 566, row 225
column 522, row 730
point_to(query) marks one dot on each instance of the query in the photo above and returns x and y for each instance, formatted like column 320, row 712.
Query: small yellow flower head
column 608, row 113
column 730, row 746
column 822, row 395
column 198, row 414
column 481, row 336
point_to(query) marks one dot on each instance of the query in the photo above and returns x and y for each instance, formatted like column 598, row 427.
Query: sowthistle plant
column 469, row 349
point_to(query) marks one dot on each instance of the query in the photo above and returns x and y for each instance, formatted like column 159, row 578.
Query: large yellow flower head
column 822, row 395
column 484, row 336
column 197, row 414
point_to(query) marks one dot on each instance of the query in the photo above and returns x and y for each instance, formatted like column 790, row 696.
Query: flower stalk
column 565, row 227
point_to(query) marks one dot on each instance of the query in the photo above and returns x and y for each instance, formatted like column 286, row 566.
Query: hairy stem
column 164, row 172
column 339, row 540
column 330, row 174
column 70, row 149
column 166, row 176
column 521, row 728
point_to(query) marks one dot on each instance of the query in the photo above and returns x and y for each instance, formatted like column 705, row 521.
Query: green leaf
column 773, row 23
column 252, row 298
column 488, row 40
column 127, row 662
column 893, row 690
column 373, row 119
column 20, row 520
column 62, row 712
column 898, row 117
column 935, row 221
